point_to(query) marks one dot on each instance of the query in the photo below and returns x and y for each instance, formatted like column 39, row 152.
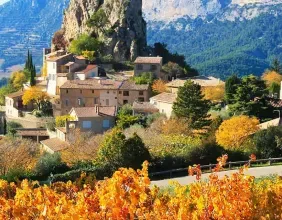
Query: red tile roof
column 165, row 97
column 88, row 112
column 55, row 144
column 150, row 60
column 15, row 94
column 92, row 84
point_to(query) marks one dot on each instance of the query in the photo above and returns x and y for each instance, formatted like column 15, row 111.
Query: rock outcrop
column 127, row 36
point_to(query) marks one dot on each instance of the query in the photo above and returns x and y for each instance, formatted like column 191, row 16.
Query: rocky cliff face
column 128, row 28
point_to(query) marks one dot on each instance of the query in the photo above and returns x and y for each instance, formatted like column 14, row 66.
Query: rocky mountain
column 124, row 33
column 27, row 24
column 218, row 37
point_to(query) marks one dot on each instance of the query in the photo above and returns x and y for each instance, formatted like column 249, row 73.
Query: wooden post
column 230, row 165
column 270, row 162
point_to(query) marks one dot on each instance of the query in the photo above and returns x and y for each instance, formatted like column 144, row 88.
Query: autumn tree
column 159, row 86
column 176, row 126
column 17, row 154
column 35, row 95
column 191, row 105
column 61, row 120
column 272, row 77
column 214, row 93
column 233, row 132
column 90, row 55
column 44, row 70
column 18, row 79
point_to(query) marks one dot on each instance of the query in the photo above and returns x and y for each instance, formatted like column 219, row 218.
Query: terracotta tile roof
column 88, row 68
column 56, row 58
column 88, row 112
column 272, row 123
column 150, row 60
column 201, row 80
column 55, row 144
column 62, row 129
column 62, row 74
column 32, row 132
column 144, row 107
column 92, row 84
column 15, row 94
column 130, row 85
column 165, row 97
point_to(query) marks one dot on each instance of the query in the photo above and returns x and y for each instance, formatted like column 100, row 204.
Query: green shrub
column 12, row 126
column 85, row 43
column 144, row 78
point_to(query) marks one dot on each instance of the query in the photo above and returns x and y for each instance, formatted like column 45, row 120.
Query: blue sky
column 3, row 1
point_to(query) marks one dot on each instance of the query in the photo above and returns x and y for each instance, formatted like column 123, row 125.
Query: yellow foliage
column 176, row 126
column 61, row 120
column 214, row 93
column 272, row 77
column 44, row 70
column 128, row 195
column 159, row 86
column 234, row 132
column 18, row 79
column 35, row 95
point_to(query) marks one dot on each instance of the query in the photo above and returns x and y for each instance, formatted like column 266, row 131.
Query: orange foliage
column 128, row 195
column 176, row 126
column 214, row 93
column 234, row 132
column 272, row 77
column 159, row 86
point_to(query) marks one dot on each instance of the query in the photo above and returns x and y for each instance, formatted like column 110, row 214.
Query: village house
column 204, row 81
column 14, row 105
column 35, row 134
column 148, row 64
column 94, row 120
column 102, row 92
column 164, row 102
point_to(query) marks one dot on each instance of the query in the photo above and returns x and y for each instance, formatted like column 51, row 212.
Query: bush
column 268, row 142
column 50, row 163
column 144, row 78
column 61, row 120
column 12, row 126
column 51, row 125
column 85, row 43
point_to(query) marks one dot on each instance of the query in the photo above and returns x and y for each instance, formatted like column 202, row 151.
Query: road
column 256, row 172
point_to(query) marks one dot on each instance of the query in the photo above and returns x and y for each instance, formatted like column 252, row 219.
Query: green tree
column 174, row 70
column 230, row 87
column 29, row 69
column 190, row 104
column 12, row 126
column 247, row 98
column 116, row 151
column 85, row 43
column 276, row 66
column 268, row 142
column 274, row 88
column 144, row 78
column 125, row 118
column 98, row 20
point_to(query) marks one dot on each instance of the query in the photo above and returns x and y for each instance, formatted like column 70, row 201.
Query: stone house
column 14, row 105
column 203, row 81
column 102, row 92
column 148, row 64
column 164, row 102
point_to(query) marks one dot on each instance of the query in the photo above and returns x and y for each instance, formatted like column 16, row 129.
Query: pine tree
column 190, row 104
column 276, row 66
column 30, row 69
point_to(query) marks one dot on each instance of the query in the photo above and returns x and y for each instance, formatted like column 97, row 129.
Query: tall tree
column 30, row 69
column 276, row 66
column 230, row 87
column 190, row 104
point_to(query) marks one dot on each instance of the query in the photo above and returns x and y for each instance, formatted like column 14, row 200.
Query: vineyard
column 129, row 195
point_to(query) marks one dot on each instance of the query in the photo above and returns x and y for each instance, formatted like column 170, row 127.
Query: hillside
column 27, row 24
column 219, row 39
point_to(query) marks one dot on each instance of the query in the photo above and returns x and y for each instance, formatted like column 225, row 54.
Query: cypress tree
column 190, row 104
column 30, row 69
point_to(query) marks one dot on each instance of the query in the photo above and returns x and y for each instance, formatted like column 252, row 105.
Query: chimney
column 97, row 109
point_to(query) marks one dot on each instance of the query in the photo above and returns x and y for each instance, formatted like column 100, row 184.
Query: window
column 108, row 91
column 106, row 123
column 107, row 102
column 141, row 99
column 92, row 91
column 141, row 92
column 153, row 67
column 120, row 92
column 86, row 124
column 67, row 91
column 125, row 102
column 80, row 91
column 54, row 66
column 96, row 101
column 125, row 93
column 67, row 102
column 79, row 101
column 140, row 67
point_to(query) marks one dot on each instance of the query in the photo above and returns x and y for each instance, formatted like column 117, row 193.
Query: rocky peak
column 128, row 28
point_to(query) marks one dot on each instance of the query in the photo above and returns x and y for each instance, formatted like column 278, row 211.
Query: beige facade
column 164, row 102
column 14, row 105
column 94, row 92
column 148, row 64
